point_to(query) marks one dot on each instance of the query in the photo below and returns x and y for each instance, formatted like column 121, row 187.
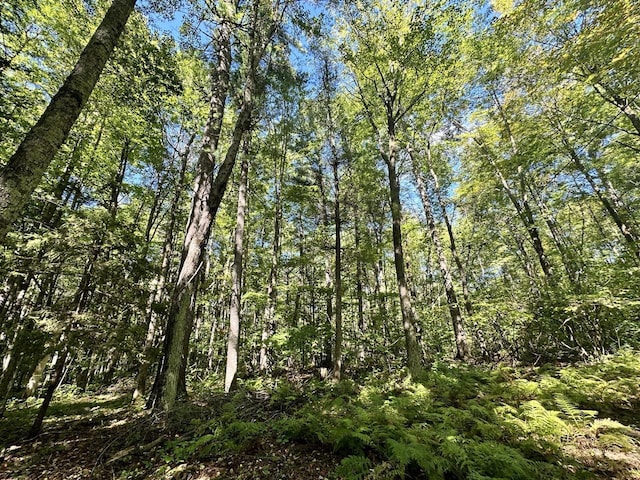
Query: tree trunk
column 626, row 229
column 524, row 213
column 272, row 287
column 56, row 378
column 206, row 202
column 570, row 258
column 406, row 307
column 359, row 283
column 116, row 184
column 452, row 241
column 236, row 277
column 337, row 355
column 201, row 216
column 36, row 376
column 158, row 293
column 623, row 104
column 462, row 349
column 22, row 174
column 328, row 277
column 522, row 205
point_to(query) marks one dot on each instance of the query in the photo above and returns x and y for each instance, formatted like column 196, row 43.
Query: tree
column 21, row 175
column 209, row 191
column 460, row 335
column 385, row 80
column 236, row 277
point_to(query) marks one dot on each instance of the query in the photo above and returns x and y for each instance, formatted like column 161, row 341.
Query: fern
column 412, row 452
column 453, row 449
column 571, row 410
column 354, row 467
column 494, row 460
column 602, row 425
column 618, row 440
column 185, row 450
column 543, row 422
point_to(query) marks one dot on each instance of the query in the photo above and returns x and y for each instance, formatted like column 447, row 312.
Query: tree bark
column 328, row 277
column 22, row 174
column 36, row 376
column 56, row 378
column 406, row 307
column 393, row 112
column 158, row 293
column 206, row 202
column 236, row 277
column 201, row 217
column 462, row 349
column 623, row 104
column 462, row 271
column 337, row 353
column 608, row 201
column 272, row 286
column 524, row 213
column 359, row 282
column 573, row 265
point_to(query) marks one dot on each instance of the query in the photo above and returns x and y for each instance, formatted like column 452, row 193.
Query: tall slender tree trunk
column 462, row 271
column 328, row 81
column 268, row 318
column 36, row 376
column 359, row 282
column 328, row 276
column 52, row 211
column 83, row 294
column 212, row 338
column 625, row 226
column 379, row 284
column 522, row 204
column 116, row 184
column 158, row 292
column 623, row 104
column 406, row 307
column 9, row 364
column 206, row 202
column 301, row 276
column 337, row 353
column 22, row 174
column 56, row 378
column 236, row 277
column 203, row 209
column 462, row 349
column 524, row 212
column 570, row 259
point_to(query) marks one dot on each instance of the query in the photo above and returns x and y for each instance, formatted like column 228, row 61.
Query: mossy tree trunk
column 22, row 174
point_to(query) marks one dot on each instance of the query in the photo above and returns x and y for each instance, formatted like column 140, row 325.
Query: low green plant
column 456, row 422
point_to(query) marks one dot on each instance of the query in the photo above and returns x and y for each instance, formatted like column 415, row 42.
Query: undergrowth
column 454, row 423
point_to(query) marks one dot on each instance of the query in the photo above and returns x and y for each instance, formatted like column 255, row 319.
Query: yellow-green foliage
column 455, row 422
column 613, row 382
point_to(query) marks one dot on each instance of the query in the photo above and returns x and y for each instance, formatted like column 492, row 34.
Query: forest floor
column 104, row 437
column 574, row 422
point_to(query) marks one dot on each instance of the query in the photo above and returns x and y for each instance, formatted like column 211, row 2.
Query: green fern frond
column 571, row 410
column 602, row 425
column 354, row 467
column 399, row 452
column 543, row 422
column 618, row 440
column 496, row 461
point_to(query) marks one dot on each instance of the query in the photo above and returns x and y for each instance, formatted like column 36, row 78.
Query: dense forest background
column 291, row 197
